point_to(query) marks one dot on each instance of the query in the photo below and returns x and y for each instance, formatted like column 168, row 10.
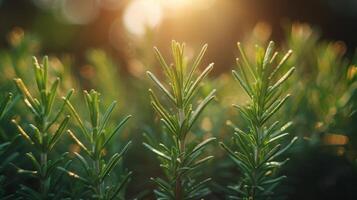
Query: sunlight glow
column 176, row 3
column 142, row 14
column 79, row 11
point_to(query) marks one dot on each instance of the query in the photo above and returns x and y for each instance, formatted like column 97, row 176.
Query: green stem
column 181, row 148
column 44, row 160
column 98, row 184
column 44, row 178
column 178, row 187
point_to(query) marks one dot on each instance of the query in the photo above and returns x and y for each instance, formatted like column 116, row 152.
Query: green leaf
column 121, row 185
column 242, row 83
column 106, row 117
column 79, row 142
column 200, row 108
column 38, row 135
column 79, row 120
column 201, row 145
column 164, row 186
column 195, row 65
column 113, row 162
column 39, row 78
column 52, row 165
column 235, row 158
column 52, row 95
column 116, row 130
column 271, row 181
column 277, row 137
column 245, row 60
column 168, row 126
column 202, row 161
column 4, row 105
column 54, row 139
column 73, row 175
column 284, row 149
column 161, row 111
column 275, row 107
column 268, row 54
column 195, row 84
column 92, row 102
column 24, row 171
column 163, row 63
column 282, row 129
column 268, row 156
column 161, row 86
column 45, row 69
column 34, row 161
column 157, row 152
column 54, row 120
column 199, row 185
column 282, row 62
column 25, row 92
column 23, row 133
column 282, row 79
column 244, row 144
column 83, row 162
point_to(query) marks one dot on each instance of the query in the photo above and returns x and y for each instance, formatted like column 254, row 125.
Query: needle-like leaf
column 259, row 146
column 180, row 162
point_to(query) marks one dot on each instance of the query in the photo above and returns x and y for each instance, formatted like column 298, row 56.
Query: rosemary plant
column 5, row 105
column 5, row 152
column 180, row 159
column 97, row 169
column 259, row 146
column 43, row 135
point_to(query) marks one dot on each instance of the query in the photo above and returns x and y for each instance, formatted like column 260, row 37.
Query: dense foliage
column 180, row 158
column 67, row 146
column 259, row 146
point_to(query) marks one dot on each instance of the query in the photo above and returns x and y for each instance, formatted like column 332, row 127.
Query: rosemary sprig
column 259, row 146
column 43, row 135
column 6, row 153
column 96, row 139
column 181, row 160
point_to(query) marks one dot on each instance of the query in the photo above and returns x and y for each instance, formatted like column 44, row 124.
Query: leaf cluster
column 260, row 146
column 97, row 169
column 180, row 161
column 5, row 151
column 44, row 133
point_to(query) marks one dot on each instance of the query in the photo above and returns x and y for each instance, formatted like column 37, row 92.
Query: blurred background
column 107, row 45
column 124, row 27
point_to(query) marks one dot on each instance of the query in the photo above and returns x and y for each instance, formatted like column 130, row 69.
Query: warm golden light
column 79, row 11
column 335, row 139
column 142, row 14
column 176, row 3
column 187, row 4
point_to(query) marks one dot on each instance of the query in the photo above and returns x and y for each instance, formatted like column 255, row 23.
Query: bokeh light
column 176, row 3
column 80, row 11
column 142, row 14
column 182, row 5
